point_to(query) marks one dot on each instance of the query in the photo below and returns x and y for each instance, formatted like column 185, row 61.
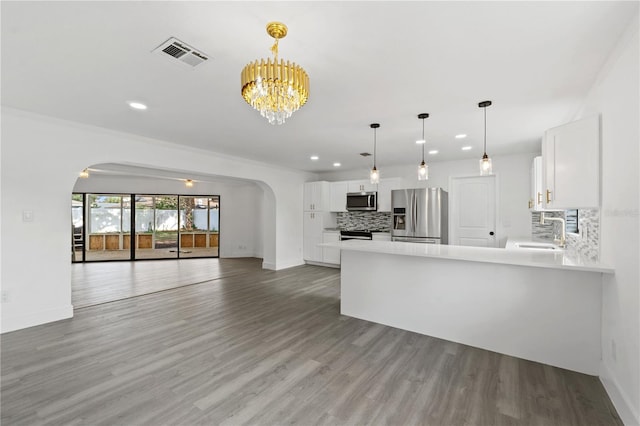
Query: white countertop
column 538, row 259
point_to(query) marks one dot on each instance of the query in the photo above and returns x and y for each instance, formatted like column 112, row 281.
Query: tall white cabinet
column 317, row 217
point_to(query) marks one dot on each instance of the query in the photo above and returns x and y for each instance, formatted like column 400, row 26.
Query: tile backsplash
column 586, row 243
column 349, row 221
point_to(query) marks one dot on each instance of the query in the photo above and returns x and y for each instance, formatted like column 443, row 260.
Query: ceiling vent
column 181, row 52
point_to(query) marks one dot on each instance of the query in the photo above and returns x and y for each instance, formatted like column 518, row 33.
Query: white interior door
column 473, row 211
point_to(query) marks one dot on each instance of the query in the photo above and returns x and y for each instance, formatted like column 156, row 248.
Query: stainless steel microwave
column 362, row 201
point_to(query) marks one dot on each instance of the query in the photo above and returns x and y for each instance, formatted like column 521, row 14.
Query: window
column 571, row 218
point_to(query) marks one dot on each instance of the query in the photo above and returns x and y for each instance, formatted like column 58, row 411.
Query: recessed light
column 314, row 157
column 420, row 142
column 336, row 164
column 466, row 148
column 433, row 151
column 137, row 105
column 461, row 136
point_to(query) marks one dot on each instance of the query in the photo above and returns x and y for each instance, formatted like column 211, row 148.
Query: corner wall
column 41, row 159
column 616, row 97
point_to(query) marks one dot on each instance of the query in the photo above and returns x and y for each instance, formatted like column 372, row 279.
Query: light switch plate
column 27, row 215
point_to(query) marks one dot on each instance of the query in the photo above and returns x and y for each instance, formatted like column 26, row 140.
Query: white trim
column 290, row 264
column 36, row 318
column 276, row 267
column 618, row 397
column 328, row 265
column 269, row 265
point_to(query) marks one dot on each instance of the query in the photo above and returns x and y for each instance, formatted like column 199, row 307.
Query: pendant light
column 485, row 162
column 374, row 176
column 423, row 169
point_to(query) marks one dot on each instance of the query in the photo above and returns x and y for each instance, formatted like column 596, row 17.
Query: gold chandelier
column 276, row 89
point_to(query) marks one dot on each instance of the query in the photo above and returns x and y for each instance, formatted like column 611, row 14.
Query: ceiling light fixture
column 137, row 105
column 374, row 175
column 336, row 164
column 485, row 162
column 466, row 148
column 275, row 89
column 433, row 152
column 314, row 158
column 423, row 169
column 461, row 136
column 84, row 174
column 188, row 183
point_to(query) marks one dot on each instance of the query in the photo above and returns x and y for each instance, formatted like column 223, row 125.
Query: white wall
column 616, row 97
column 41, row 159
column 241, row 212
column 513, row 192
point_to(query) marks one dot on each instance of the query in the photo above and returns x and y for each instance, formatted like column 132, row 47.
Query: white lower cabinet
column 381, row 236
column 331, row 254
column 313, row 228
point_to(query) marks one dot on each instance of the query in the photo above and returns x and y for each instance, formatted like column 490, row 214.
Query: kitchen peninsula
column 539, row 306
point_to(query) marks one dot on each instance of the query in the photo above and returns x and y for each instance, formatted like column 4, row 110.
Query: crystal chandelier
column 276, row 89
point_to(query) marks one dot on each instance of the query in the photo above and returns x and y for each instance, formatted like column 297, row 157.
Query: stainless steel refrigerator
column 420, row 215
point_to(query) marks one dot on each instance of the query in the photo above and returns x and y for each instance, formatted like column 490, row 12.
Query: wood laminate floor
column 95, row 283
column 263, row 347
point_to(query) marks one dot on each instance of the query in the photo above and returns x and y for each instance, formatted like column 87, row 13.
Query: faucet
column 563, row 237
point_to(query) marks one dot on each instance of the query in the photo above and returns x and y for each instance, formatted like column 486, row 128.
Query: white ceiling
column 367, row 61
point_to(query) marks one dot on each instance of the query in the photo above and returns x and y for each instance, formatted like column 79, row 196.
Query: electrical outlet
column 5, row 296
column 614, row 355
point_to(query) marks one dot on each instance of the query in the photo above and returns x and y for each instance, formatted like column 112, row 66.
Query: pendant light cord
column 424, row 141
column 374, row 147
column 485, row 130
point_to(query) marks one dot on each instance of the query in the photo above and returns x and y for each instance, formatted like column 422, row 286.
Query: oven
column 355, row 235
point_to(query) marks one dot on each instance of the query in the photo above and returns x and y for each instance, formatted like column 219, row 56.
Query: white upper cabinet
column 316, row 196
column 338, row 201
column 538, row 191
column 571, row 165
column 384, row 192
column 361, row 186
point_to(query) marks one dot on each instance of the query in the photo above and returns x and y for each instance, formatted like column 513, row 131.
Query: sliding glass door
column 108, row 227
column 165, row 226
column 199, row 226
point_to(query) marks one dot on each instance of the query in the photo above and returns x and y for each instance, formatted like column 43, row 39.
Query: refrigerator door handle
column 411, row 213
column 415, row 212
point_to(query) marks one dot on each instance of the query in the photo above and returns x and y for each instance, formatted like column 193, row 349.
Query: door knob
column 491, row 233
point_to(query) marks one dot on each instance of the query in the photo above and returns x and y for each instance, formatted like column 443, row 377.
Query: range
column 359, row 234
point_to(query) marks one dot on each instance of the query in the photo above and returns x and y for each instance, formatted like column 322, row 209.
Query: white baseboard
column 328, row 265
column 269, row 265
column 620, row 400
column 289, row 264
column 36, row 318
